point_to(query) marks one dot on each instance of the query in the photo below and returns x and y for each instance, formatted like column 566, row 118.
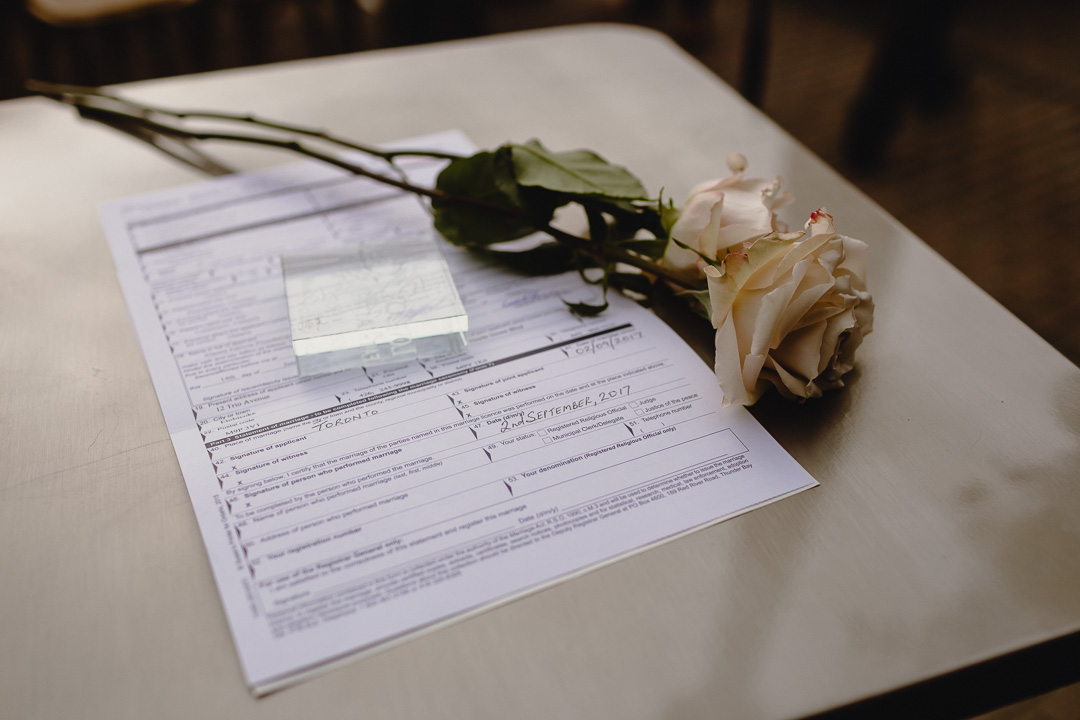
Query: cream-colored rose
column 789, row 311
column 719, row 214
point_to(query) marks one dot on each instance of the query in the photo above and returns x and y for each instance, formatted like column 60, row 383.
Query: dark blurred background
column 962, row 119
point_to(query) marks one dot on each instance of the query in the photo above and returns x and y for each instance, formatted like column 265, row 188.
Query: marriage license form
column 344, row 511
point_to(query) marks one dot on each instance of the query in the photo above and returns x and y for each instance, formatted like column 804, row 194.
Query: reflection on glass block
column 383, row 301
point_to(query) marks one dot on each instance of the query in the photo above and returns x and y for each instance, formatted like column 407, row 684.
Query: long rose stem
column 71, row 94
column 82, row 98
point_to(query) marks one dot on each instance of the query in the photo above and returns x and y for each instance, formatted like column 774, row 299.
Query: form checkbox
column 547, row 440
column 639, row 411
column 633, row 403
column 541, row 431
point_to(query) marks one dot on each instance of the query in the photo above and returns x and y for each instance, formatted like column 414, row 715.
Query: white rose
column 789, row 311
column 719, row 214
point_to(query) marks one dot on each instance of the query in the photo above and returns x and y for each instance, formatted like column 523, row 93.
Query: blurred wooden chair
column 696, row 16
column 913, row 67
column 101, row 42
column 67, row 13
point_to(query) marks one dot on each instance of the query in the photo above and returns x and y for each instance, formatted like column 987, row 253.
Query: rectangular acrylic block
column 383, row 301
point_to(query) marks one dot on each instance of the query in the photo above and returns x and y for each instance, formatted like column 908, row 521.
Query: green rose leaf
column 586, row 309
column 701, row 305
column 500, row 212
column 577, row 172
column 648, row 247
column 668, row 214
column 634, row 282
column 628, row 219
column 545, row 259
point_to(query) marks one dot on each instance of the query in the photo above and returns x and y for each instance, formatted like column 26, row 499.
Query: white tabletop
column 944, row 532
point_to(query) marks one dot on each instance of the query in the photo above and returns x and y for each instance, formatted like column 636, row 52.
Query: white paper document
column 344, row 511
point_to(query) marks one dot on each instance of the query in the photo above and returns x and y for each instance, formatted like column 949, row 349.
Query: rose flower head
column 789, row 311
column 719, row 214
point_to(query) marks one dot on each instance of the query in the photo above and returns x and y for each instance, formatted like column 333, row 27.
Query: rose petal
column 729, row 237
column 854, row 262
column 762, row 266
column 688, row 229
column 768, row 313
column 790, row 386
column 775, row 197
column 820, row 222
column 800, row 352
column 728, row 366
column 751, row 376
column 809, row 294
column 806, row 247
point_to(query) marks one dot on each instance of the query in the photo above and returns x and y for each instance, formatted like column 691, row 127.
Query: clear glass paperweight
column 384, row 301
